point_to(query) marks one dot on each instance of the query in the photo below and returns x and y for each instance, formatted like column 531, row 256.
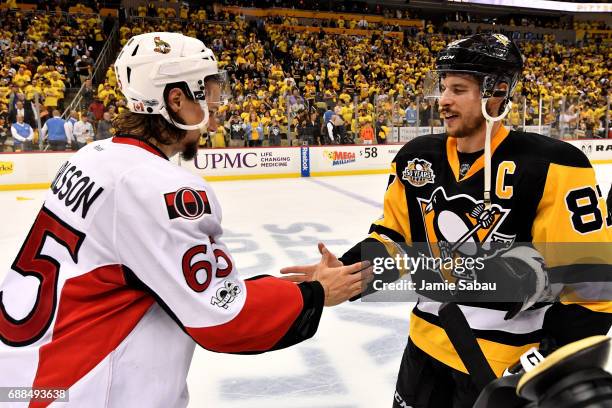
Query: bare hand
column 305, row 273
column 344, row 282
column 339, row 282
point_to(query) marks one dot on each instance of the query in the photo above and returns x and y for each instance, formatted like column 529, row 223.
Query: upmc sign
column 232, row 160
column 256, row 162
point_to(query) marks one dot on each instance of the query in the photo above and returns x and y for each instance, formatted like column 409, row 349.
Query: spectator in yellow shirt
column 21, row 78
column 58, row 84
column 514, row 117
column 51, row 96
column 106, row 93
column 111, row 78
column 218, row 138
column 254, row 130
column 184, row 11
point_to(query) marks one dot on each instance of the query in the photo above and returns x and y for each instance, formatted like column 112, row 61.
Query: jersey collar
column 130, row 140
column 453, row 157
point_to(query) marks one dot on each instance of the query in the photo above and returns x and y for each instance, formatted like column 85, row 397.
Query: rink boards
column 34, row 170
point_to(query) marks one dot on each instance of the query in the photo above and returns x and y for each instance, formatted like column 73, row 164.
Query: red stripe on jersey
column 257, row 327
column 139, row 143
column 96, row 312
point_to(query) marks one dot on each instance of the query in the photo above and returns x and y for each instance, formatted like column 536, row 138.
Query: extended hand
column 344, row 282
column 339, row 282
column 305, row 273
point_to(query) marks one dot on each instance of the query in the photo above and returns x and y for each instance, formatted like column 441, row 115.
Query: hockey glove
column 521, row 269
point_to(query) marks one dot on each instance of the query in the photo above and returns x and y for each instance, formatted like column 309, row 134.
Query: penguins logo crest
column 502, row 39
column 161, row 46
column 460, row 226
column 418, row 172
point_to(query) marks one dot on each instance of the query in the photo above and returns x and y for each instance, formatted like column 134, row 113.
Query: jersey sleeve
column 394, row 221
column 168, row 237
column 389, row 235
column 572, row 231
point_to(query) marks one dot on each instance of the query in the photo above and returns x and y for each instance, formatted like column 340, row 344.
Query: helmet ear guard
column 202, row 126
column 489, row 87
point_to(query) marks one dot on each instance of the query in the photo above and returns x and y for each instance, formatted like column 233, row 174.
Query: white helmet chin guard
column 149, row 62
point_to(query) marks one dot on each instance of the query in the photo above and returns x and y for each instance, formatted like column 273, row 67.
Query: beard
column 469, row 127
column 190, row 151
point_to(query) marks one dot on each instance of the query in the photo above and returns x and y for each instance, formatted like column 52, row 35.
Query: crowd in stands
column 294, row 86
column 42, row 56
column 276, row 70
column 316, row 5
column 81, row 6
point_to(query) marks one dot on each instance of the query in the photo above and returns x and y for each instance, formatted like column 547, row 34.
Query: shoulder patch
column 431, row 147
column 187, row 203
column 418, row 172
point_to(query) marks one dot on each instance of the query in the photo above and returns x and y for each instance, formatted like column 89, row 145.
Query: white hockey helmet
column 149, row 62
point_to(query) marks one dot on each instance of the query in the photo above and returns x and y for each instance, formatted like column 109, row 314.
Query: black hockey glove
column 520, row 276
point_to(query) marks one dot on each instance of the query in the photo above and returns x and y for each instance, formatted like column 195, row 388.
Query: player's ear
column 502, row 86
column 495, row 102
column 175, row 99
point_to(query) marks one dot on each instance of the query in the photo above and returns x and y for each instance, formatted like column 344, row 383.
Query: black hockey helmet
column 492, row 57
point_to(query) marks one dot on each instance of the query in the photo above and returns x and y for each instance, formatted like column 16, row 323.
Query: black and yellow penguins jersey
column 543, row 191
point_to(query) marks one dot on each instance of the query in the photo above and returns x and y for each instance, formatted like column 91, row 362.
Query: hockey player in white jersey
column 124, row 269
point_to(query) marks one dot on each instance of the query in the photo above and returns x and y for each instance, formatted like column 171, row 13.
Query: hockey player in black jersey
column 609, row 202
column 483, row 184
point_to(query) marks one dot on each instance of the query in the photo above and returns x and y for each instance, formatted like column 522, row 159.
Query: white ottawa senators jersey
column 122, row 273
column 543, row 192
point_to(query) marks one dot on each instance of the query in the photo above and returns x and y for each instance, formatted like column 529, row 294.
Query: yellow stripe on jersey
column 453, row 156
column 393, row 249
column 593, row 306
column 570, row 209
column 434, row 341
column 395, row 209
column 570, row 229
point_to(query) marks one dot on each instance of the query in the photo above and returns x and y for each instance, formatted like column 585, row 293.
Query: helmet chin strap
column 202, row 126
column 487, row 159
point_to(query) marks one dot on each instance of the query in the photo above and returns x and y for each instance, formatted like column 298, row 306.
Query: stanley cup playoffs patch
column 187, row 203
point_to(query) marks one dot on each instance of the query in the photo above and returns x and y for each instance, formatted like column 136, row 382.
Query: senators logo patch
column 187, row 203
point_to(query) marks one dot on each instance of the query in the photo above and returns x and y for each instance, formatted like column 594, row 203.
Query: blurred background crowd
column 316, row 72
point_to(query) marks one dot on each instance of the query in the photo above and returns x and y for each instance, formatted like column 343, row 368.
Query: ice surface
column 353, row 359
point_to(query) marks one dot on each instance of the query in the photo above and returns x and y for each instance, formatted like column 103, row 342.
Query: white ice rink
column 353, row 359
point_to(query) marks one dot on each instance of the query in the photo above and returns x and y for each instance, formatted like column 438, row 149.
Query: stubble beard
column 190, row 151
column 468, row 128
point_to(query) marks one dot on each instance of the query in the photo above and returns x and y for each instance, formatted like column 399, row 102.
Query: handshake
column 339, row 282
column 518, row 278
